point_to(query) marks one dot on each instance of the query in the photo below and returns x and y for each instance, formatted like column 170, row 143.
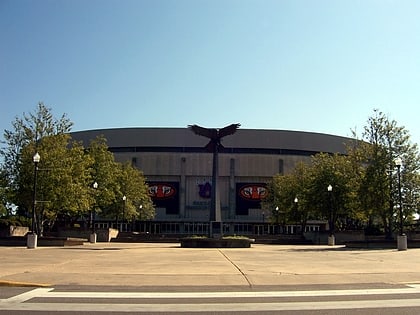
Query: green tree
column 4, row 211
column 384, row 141
column 116, row 181
column 105, row 172
column 138, row 204
column 287, row 200
column 39, row 132
column 338, row 205
column 302, row 210
column 63, row 175
column 280, row 198
column 308, row 185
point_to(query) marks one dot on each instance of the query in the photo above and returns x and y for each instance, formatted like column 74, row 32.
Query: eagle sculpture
column 215, row 135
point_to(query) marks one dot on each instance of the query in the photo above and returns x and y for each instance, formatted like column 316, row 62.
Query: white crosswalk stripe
column 408, row 297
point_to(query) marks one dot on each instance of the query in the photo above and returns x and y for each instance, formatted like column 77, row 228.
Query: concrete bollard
column 331, row 240
column 402, row 242
column 32, row 241
column 92, row 238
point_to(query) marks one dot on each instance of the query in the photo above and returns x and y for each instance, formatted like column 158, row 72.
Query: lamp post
column 295, row 201
column 402, row 238
column 32, row 239
column 140, row 209
column 124, row 198
column 93, row 236
column 331, row 237
column 276, row 210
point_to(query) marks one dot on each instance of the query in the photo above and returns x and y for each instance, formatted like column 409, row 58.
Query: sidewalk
column 157, row 264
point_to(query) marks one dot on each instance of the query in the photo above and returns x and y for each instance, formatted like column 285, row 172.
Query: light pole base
column 331, row 240
column 32, row 241
column 402, row 242
column 92, row 238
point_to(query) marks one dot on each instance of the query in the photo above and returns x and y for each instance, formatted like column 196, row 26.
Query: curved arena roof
column 244, row 140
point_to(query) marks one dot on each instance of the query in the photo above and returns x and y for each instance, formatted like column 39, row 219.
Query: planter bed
column 216, row 243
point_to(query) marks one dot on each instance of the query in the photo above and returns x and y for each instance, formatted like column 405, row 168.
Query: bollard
column 32, row 241
column 331, row 240
column 402, row 242
column 92, row 238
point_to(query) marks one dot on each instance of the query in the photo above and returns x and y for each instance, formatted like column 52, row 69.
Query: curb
column 6, row 283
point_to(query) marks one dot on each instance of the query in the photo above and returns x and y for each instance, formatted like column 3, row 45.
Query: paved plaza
column 167, row 264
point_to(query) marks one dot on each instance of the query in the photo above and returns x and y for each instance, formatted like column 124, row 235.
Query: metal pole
column 34, row 198
column 92, row 237
column 400, row 199
column 331, row 238
column 123, row 213
column 32, row 238
column 401, row 238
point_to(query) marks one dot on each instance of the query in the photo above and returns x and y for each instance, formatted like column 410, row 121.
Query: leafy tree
column 28, row 130
column 34, row 132
column 339, row 205
column 61, row 179
column 64, row 180
column 287, row 199
column 116, row 180
column 104, row 172
column 384, row 141
column 66, row 173
column 138, row 203
column 302, row 210
column 308, row 185
column 3, row 194
column 280, row 198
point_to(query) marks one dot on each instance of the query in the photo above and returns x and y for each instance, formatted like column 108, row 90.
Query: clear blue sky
column 309, row 65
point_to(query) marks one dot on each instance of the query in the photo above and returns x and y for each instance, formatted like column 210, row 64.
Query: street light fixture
column 402, row 238
column 32, row 239
column 331, row 237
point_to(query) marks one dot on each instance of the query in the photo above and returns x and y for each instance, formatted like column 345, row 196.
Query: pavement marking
column 210, row 307
column 413, row 289
column 23, row 297
column 22, row 301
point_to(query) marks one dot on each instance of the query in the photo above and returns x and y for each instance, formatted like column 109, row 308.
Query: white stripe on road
column 21, row 302
column 210, row 307
column 27, row 295
column 226, row 294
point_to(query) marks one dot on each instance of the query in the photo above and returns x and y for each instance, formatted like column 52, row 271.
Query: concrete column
column 281, row 167
column 182, row 189
column 232, row 190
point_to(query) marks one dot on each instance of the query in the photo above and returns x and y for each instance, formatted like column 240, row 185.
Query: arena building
column 178, row 170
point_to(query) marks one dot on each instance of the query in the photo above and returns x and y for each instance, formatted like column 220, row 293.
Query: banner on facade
column 249, row 196
column 165, row 195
